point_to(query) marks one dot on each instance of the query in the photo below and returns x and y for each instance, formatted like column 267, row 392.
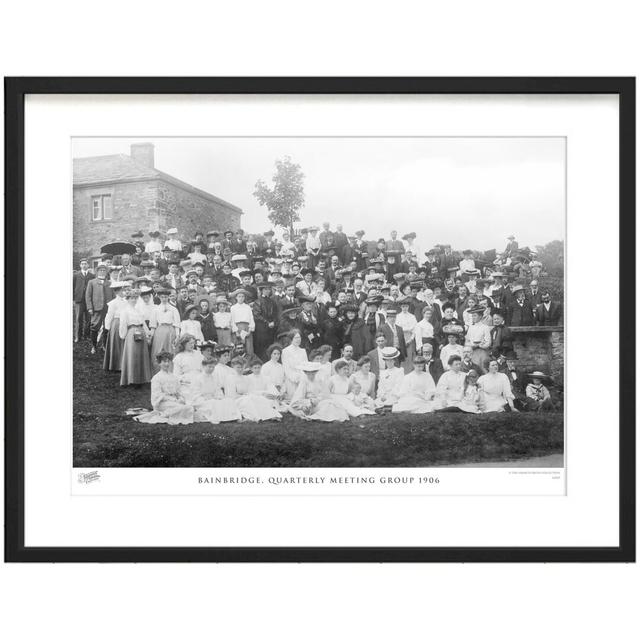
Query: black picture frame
column 15, row 91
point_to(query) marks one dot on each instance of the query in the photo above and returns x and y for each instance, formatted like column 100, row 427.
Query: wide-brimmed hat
column 390, row 353
column 360, row 232
column 288, row 310
column 310, row 366
column 238, row 256
column 172, row 230
column 517, row 288
column 189, row 309
column 306, row 299
column 471, row 272
column 541, row 376
column 208, row 344
column 453, row 329
column 233, row 294
column 117, row 284
column 511, row 237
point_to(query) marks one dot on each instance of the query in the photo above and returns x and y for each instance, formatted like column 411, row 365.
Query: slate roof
column 122, row 168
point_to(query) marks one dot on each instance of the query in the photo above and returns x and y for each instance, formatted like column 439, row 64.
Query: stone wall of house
column 540, row 349
column 145, row 206
column 190, row 212
column 134, row 209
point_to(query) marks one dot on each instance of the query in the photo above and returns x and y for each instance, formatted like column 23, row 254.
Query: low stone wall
column 540, row 349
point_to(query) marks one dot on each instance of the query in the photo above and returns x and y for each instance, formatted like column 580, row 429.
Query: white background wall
column 329, row 38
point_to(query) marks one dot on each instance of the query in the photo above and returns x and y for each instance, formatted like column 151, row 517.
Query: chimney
column 142, row 153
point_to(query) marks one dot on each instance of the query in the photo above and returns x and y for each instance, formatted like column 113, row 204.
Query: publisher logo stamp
column 86, row 478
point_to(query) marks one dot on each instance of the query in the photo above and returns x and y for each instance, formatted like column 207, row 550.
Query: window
column 101, row 207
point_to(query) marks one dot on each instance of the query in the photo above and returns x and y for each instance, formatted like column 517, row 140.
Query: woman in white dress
column 311, row 400
column 407, row 321
column 208, row 397
column 292, row 357
column 339, row 388
column 188, row 362
column 417, row 390
column 364, row 377
column 251, row 396
column 273, row 371
column 136, row 364
column 165, row 324
column 169, row 405
column 113, row 349
column 450, row 388
column 222, row 369
column 191, row 326
column 391, row 377
column 324, row 352
column 495, row 390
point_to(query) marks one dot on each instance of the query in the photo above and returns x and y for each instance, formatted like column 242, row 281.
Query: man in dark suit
column 365, row 329
column 433, row 366
column 394, row 335
column 501, row 336
column 97, row 296
column 548, row 313
column 519, row 310
column 341, row 242
column 534, row 294
column 80, row 316
column 375, row 355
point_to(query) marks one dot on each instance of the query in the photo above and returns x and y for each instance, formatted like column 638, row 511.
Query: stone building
column 115, row 196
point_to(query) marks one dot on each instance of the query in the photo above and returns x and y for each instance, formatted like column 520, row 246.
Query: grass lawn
column 104, row 437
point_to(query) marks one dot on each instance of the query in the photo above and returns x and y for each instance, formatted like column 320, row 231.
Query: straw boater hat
column 189, row 309
column 233, row 294
column 172, row 231
column 390, row 353
column 310, row 366
column 207, row 344
column 517, row 288
column 238, row 256
column 541, row 376
column 118, row 284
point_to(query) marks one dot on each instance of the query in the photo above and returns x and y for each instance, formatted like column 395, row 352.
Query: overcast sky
column 468, row 192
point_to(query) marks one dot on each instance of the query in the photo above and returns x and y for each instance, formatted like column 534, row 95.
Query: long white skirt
column 216, row 411
column 350, row 407
column 413, row 404
column 168, row 412
column 255, row 407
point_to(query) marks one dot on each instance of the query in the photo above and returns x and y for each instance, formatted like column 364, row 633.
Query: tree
column 552, row 257
column 286, row 197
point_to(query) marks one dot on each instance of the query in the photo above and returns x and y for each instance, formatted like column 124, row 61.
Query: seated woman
column 417, row 390
column 359, row 397
column 495, row 390
column 293, row 356
column 251, row 396
column 207, row 397
column 537, row 395
column 339, row 390
column 311, row 398
column 325, row 351
column 273, row 371
column 471, row 393
column 169, row 405
column 364, row 377
column 391, row 377
column 187, row 363
column 450, row 387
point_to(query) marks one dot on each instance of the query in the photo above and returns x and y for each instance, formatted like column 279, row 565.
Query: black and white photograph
column 319, row 302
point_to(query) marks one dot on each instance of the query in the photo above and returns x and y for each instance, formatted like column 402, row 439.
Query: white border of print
column 56, row 518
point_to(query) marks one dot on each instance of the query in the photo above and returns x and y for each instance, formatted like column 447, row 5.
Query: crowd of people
column 322, row 325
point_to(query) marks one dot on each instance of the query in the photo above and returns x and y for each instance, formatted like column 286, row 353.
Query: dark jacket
column 520, row 316
column 501, row 341
column 332, row 334
column 436, row 369
column 362, row 339
column 388, row 334
column 98, row 295
column 80, row 285
column 551, row 318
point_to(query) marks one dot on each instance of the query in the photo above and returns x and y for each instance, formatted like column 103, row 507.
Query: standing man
column 512, row 247
column 97, row 297
column 548, row 313
column 80, row 316
column 394, row 335
column 535, row 295
column 327, row 239
column 341, row 242
column 520, row 311
column 394, row 244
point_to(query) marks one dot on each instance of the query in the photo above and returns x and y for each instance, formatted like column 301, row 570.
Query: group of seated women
column 208, row 385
